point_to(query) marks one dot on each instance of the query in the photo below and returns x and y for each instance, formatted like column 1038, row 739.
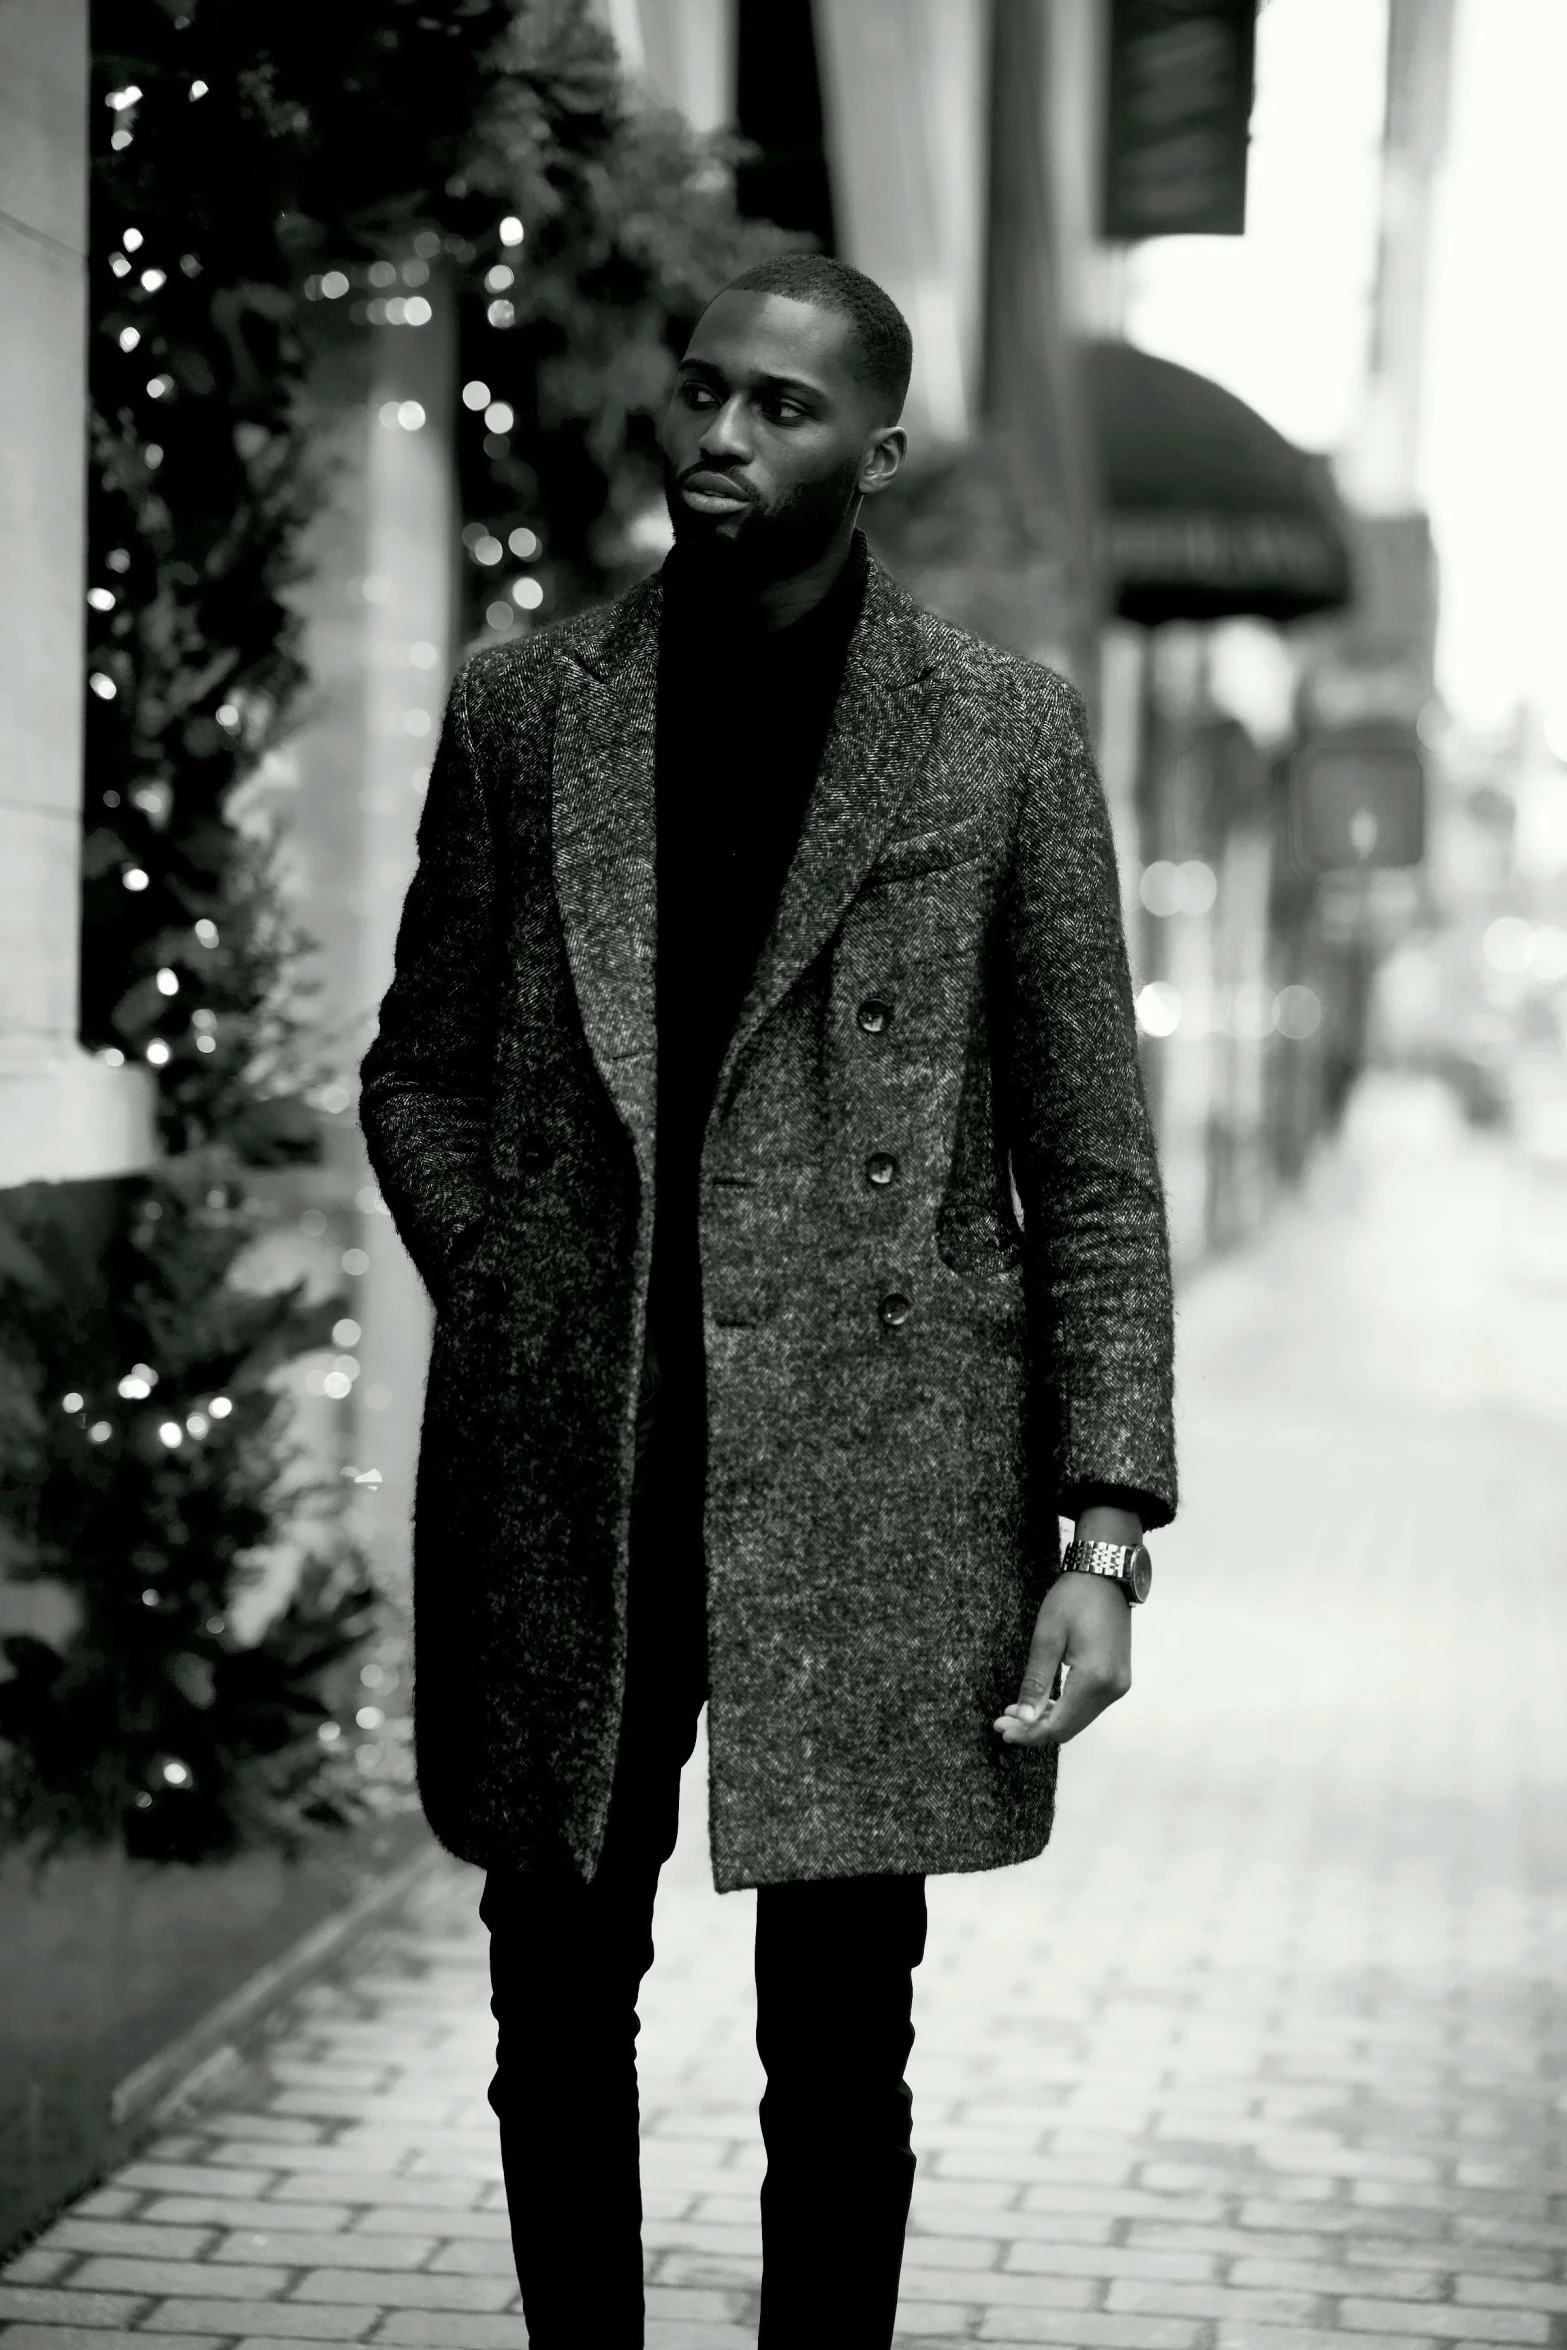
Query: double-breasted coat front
column 935, row 1277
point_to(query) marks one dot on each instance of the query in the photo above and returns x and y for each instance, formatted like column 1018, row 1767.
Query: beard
column 767, row 542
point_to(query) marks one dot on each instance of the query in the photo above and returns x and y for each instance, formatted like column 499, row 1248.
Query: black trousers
column 834, row 1966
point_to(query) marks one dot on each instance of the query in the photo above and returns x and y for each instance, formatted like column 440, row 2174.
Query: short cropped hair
column 880, row 331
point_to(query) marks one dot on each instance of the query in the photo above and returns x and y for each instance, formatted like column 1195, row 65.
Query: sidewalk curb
column 214, row 2046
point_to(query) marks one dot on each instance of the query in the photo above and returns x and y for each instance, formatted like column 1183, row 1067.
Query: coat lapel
column 605, row 829
column 604, row 841
column 878, row 742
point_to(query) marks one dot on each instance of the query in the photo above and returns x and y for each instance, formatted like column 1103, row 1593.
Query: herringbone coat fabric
column 906, row 1376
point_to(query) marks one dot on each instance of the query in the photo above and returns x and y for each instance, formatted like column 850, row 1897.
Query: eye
column 697, row 395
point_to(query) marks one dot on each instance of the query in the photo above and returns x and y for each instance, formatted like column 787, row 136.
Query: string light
column 101, row 599
column 72, row 1402
column 139, row 1381
column 512, row 230
column 100, row 1432
column 171, row 1432
column 168, row 981
column 134, row 878
column 527, row 594
column 220, row 1407
column 103, row 685
column 117, row 101
column 197, row 90
column 158, row 1053
column 130, row 336
column 524, row 544
column 152, row 279
column 500, row 416
column 476, row 395
column 207, row 932
column 132, row 239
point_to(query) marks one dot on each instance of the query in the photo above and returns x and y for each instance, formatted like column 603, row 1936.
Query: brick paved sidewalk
column 1268, row 2053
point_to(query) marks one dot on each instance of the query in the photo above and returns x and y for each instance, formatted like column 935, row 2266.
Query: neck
column 778, row 603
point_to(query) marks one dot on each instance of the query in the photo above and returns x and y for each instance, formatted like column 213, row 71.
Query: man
column 758, row 1096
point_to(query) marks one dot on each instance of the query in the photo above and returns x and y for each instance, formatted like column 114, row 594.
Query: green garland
column 251, row 170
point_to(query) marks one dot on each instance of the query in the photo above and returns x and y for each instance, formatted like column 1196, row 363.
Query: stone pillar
column 380, row 604
column 62, row 1112
column 1033, row 396
column 687, row 50
column 904, row 89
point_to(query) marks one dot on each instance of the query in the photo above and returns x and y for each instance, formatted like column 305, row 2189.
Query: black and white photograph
column 783, row 1174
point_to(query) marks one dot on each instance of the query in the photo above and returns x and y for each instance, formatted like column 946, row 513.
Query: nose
column 725, row 436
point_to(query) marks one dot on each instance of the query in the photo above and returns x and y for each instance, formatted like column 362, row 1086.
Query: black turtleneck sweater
column 743, row 716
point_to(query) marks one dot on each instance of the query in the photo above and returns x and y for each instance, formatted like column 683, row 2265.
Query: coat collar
column 605, row 825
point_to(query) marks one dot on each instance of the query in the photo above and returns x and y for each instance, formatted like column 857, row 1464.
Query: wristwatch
column 1126, row 1563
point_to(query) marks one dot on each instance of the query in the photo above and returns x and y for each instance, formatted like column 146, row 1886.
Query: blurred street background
column 335, row 346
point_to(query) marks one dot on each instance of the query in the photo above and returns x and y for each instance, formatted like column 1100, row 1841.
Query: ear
column 884, row 454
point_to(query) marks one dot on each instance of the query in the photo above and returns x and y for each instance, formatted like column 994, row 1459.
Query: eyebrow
column 763, row 383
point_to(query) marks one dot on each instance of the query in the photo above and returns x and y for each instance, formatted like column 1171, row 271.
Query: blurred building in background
column 1254, row 642
column 1091, row 504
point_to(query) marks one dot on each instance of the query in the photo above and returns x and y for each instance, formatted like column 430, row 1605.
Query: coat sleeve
column 1079, row 1133
column 426, row 1081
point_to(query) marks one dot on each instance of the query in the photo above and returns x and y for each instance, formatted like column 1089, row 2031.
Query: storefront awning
column 1206, row 512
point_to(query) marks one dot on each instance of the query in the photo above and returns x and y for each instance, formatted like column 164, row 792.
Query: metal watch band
column 1126, row 1563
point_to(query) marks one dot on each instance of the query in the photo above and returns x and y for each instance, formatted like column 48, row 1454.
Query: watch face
column 1140, row 1574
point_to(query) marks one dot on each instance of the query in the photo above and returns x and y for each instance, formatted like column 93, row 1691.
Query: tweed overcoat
column 906, row 1377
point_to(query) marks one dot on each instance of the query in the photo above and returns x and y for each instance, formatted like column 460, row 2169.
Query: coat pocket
column 914, row 853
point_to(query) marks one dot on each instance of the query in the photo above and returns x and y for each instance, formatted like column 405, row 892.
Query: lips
column 713, row 493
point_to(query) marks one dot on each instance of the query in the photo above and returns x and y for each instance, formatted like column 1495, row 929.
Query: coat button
column 895, row 1309
column 873, row 1015
column 880, row 1168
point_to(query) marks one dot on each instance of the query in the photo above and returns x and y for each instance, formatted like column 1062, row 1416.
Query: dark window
column 779, row 103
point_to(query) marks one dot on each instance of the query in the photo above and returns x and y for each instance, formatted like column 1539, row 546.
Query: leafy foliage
column 151, row 1469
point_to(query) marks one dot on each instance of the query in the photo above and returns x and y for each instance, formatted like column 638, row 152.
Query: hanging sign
column 1179, row 106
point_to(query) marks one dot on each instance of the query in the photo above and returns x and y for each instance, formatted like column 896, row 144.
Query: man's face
column 771, row 438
